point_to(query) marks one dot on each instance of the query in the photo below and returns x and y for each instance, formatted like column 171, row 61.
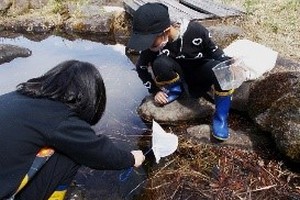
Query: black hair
column 77, row 84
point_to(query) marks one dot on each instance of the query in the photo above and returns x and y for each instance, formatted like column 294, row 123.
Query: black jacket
column 194, row 44
column 28, row 124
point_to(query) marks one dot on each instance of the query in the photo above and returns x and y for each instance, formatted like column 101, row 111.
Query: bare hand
column 138, row 157
column 161, row 98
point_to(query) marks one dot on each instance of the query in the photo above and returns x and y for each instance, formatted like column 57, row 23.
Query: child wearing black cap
column 173, row 53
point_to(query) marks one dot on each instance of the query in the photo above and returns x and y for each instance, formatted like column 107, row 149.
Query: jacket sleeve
column 146, row 57
column 211, row 48
column 76, row 139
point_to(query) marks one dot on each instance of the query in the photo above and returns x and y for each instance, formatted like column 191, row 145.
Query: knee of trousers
column 165, row 68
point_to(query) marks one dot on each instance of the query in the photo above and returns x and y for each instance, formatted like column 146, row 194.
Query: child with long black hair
column 52, row 115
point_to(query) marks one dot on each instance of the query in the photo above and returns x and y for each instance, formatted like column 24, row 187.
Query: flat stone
column 181, row 110
column 238, row 138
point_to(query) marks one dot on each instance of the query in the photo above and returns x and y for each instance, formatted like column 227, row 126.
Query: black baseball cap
column 149, row 20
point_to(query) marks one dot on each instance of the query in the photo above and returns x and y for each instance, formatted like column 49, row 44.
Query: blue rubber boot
column 222, row 103
column 173, row 90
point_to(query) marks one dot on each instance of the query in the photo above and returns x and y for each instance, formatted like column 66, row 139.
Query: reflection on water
column 124, row 89
column 124, row 94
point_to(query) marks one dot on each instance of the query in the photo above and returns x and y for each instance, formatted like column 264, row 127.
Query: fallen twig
column 258, row 189
column 170, row 162
column 172, row 196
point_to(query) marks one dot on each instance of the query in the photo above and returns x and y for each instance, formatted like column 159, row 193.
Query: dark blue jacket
column 28, row 124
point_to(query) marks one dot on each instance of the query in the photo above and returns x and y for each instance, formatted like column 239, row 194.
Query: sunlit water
column 124, row 93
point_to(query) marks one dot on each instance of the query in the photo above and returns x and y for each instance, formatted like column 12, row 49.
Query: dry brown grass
column 275, row 24
column 203, row 171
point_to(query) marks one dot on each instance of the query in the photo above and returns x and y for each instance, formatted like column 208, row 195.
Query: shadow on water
column 124, row 93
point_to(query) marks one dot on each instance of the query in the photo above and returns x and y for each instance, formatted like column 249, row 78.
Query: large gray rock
column 275, row 103
column 223, row 35
column 181, row 110
column 87, row 19
column 9, row 52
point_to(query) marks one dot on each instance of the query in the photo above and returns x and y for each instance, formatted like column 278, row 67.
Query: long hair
column 77, row 84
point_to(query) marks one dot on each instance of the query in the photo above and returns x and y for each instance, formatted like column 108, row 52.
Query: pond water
column 124, row 93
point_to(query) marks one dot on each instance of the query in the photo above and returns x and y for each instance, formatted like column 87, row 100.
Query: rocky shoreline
column 100, row 21
column 104, row 20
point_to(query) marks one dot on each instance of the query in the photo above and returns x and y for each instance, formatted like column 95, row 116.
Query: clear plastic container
column 231, row 73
